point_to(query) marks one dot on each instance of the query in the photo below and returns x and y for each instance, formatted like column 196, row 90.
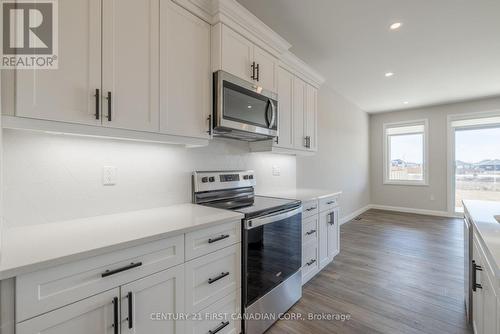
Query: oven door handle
column 256, row 222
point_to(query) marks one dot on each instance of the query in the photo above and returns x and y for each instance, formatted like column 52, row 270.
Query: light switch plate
column 109, row 175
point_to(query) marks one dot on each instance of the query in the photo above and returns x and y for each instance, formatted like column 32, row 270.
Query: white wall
column 342, row 161
column 57, row 177
column 419, row 197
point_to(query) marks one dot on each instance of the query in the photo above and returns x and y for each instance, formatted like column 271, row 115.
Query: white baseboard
column 354, row 214
column 412, row 210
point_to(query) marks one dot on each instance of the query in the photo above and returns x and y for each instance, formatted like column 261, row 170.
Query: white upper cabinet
column 311, row 118
column 237, row 55
column 131, row 64
column 68, row 93
column 285, row 109
column 266, row 69
column 299, row 97
column 185, row 72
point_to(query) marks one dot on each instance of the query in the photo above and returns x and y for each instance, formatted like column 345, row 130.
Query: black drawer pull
column 213, row 280
column 331, row 202
column 130, row 311
column 311, row 262
column 311, row 208
column 119, row 270
column 219, row 328
column 115, row 315
column 222, row 237
column 478, row 286
column 310, row 232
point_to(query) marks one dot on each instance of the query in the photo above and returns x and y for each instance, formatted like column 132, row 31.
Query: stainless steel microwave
column 243, row 110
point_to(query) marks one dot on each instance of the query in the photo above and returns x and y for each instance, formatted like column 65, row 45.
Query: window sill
column 407, row 183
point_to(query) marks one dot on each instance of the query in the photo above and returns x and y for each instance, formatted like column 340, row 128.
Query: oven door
column 272, row 252
column 243, row 106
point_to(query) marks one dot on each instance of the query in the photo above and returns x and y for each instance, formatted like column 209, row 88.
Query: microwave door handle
column 267, row 114
column 273, row 118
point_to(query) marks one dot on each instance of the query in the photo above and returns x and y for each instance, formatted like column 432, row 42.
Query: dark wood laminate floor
column 396, row 273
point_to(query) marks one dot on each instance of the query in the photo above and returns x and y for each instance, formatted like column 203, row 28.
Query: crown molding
column 237, row 17
column 294, row 64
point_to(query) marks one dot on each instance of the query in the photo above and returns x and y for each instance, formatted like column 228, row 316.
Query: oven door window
column 273, row 253
column 244, row 106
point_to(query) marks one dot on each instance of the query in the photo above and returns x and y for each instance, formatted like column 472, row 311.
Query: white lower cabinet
column 485, row 297
column 92, row 315
column 150, row 288
column 147, row 303
column 320, row 235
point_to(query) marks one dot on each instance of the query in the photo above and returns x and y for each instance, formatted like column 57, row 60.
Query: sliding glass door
column 476, row 161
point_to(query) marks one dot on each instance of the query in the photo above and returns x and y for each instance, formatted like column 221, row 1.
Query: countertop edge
column 12, row 272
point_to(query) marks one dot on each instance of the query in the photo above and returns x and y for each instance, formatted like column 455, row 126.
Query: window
column 405, row 153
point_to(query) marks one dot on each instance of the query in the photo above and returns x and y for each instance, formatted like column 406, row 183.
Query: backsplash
column 51, row 177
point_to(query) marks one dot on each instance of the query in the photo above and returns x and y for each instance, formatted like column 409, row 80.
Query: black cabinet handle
column 475, row 269
column 130, row 311
column 311, row 208
column 97, row 98
column 209, row 119
column 115, row 315
column 219, row 328
column 310, row 232
column 109, row 106
column 253, row 77
column 258, row 72
column 213, row 280
column 222, row 237
column 119, row 270
column 311, row 262
column 331, row 202
column 332, row 218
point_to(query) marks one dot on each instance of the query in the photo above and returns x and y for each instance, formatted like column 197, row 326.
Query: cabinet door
column 477, row 296
column 68, row 93
column 333, row 234
column 285, row 108
column 131, row 64
column 267, row 69
column 311, row 114
column 299, row 93
column 323, row 238
column 92, row 315
column 237, row 54
column 185, row 79
column 489, row 305
column 147, row 301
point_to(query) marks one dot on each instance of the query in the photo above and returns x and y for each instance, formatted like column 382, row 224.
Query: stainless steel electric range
column 271, row 244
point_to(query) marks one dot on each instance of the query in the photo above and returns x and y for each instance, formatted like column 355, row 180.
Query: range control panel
column 208, row 181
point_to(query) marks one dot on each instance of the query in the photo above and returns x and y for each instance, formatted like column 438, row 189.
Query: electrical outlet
column 276, row 170
column 109, row 174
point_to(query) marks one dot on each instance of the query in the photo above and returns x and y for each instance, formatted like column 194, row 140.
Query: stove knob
column 245, row 177
column 204, row 179
column 251, row 177
column 211, row 179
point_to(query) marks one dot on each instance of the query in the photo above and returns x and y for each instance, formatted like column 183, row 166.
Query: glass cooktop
column 256, row 205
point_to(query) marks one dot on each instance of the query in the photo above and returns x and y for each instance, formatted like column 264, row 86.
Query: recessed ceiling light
column 389, row 74
column 395, row 25
column 406, row 102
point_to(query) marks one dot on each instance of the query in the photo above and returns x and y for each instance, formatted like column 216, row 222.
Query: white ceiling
column 446, row 50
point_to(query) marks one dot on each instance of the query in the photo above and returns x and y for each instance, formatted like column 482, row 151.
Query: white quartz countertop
column 483, row 215
column 301, row 194
column 31, row 248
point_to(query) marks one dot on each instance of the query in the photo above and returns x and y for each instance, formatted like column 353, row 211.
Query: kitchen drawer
column 48, row 289
column 203, row 242
column 220, row 315
column 328, row 203
column 212, row 277
column 310, row 265
column 310, row 230
column 310, row 208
